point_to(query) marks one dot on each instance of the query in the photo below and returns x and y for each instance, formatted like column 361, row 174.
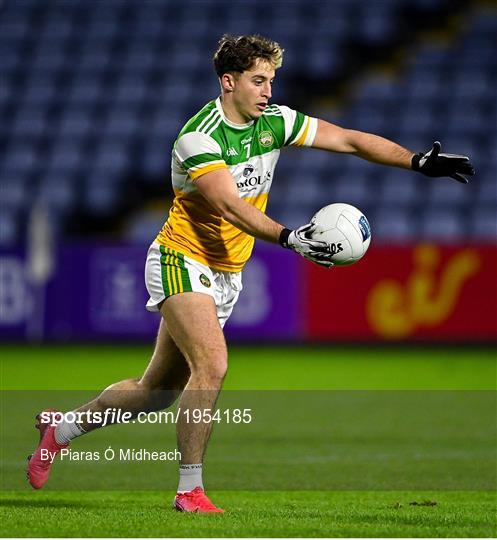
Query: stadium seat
column 19, row 158
column 323, row 60
column 392, row 223
column 120, row 123
column 66, row 156
column 57, row 193
column 156, row 161
column 112, row 158
column 76, row 123
column 367, row 118
column 442, row 225
column 307, row 192
column 399, row 189
column 293, row 218
column 102, row 28
column 101, row 196
column 49, row 59
column 14, row 26
column 5, row 92
column 14, row 192
column 139, row 61
column 85, row 89
column 10, row 233
column 484, row 225
column 145, row 226
column 40, row 92
column 11, row 58
column 378, row 89
column 130, row 89
column 91, row 62
column 487, row 189
column 375, row 23
column 357, row 190
column 447, row 193
column 29, row 123
column 427, row 85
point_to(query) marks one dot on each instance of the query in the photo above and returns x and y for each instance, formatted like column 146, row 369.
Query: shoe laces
column 198, row 495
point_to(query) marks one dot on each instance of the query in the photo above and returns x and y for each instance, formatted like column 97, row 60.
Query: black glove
column 435, row 164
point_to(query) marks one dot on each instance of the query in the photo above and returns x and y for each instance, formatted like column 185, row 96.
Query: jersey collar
column 229, row 122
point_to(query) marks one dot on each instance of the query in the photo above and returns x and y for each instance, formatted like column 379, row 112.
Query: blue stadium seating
column 396, row 225
column 92, row 95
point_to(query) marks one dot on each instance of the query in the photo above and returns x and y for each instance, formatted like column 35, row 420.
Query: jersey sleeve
column 198, row 154
column 300, row 129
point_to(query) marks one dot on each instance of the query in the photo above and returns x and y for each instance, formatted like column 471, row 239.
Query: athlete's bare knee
column 211, row 370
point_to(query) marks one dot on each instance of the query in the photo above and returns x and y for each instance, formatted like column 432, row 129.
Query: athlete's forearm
column 378, row 149
column 250, row 220
column 219, row 189
column 364, row 145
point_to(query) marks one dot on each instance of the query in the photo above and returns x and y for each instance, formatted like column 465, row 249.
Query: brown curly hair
column 238, row 54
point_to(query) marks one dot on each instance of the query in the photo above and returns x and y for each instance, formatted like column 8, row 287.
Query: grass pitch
column 64, row 510
column 252, row 514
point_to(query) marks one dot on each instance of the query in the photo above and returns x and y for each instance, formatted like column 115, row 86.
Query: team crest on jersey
column 206, row 282
column 266, row 138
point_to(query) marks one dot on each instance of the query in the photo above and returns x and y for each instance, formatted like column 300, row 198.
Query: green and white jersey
column 210, row 141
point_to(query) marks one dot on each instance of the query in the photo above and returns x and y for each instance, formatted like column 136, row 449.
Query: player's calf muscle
column 129, row 396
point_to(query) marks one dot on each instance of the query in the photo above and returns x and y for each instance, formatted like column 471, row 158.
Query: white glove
column 300, row 241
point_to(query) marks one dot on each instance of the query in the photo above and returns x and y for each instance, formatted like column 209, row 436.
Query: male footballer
column 194, row 267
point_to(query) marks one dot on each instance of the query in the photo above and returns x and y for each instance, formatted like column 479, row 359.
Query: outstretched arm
column 364, row 145
column 219, row 189
column 379, row 150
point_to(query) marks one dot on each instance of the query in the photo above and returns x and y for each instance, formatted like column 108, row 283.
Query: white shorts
column 169, row 272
